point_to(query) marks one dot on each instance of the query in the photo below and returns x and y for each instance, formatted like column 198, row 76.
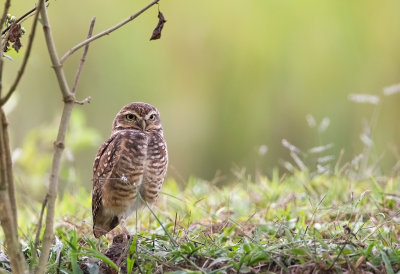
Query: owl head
column 138, row 115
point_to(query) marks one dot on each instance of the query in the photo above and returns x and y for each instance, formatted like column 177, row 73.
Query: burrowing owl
column 132, row 161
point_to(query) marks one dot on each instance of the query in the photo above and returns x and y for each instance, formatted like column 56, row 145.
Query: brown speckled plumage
column 132, row 161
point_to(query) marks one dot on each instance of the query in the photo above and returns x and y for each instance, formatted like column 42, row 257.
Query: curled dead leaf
column 157, row 31
column 13, row 37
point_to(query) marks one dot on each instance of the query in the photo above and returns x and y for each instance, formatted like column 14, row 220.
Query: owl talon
column 123, row 226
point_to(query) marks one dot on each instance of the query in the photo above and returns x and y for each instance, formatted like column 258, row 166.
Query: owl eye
column 130, row 117
column 152, row 117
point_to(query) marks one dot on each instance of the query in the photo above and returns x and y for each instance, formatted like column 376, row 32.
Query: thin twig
column 39, row 228
column 7, row 219
column 55, row 61
column 53, row 186
column 7, row 5
column 3, row 167
column 84, row 101
column 24, row 61
column 106, row 32
column 8, row 210
column 83, row 58
column 10, row 177
column 17, row 261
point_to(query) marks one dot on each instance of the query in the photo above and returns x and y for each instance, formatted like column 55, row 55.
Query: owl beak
column 143, row 124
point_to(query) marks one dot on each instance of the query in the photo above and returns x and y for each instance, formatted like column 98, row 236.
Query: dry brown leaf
column 359, row 261
column 13, row 37
column 157, row 31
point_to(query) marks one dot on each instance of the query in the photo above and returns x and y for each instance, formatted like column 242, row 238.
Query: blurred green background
column 228, row 77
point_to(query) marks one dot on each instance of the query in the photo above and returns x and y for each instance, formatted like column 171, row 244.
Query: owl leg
column 123, row 226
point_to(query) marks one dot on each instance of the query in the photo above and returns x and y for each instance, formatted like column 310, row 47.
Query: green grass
column 290, row 224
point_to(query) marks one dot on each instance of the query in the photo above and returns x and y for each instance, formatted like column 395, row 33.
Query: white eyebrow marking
column 130, row 112
column 150, row 113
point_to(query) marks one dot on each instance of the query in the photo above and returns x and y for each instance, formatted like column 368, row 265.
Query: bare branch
column 10, row 179
column 3, row 167
column 57, row 66
column 18, row 264
column 83, row 58
column 84, row 101
column 7, row 218
column 53, row 186
column 24, row 61
column 106, row 32
column 8, row 210
column 39, row 228
column 69, row 100
column 7, row 4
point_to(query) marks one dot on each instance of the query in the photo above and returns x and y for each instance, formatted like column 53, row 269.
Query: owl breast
column 137, row 173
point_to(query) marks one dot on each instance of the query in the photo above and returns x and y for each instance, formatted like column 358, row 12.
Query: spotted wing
column 103, row 166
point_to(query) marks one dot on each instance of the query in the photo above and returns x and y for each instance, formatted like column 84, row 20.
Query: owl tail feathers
column 102, row 226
